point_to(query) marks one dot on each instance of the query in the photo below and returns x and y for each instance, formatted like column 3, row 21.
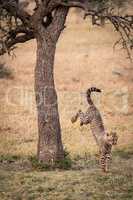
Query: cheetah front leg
column 84, row 118
column 74, row 118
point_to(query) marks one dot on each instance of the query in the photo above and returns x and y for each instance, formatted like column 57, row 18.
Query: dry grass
column 84, row 58
column 87, row 183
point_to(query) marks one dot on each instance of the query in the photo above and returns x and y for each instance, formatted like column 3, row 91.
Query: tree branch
column 43, row 20
column 78, row 4
column 15, row 10
column 122, row 24
column 58, row 21
column 13, row 31
column 8, row 45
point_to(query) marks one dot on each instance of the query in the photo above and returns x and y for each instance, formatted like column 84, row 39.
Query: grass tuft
column 38, row 165
column 65, row 163
column 9, row 158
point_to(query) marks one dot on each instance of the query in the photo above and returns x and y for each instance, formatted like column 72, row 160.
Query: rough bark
column 50, row 146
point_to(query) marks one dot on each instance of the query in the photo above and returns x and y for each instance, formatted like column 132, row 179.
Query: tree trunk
column 50, row 148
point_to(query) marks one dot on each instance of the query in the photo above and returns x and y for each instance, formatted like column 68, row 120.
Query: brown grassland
column 85, row 57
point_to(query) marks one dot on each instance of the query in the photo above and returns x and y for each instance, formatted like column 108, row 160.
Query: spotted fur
column 105, row 150
column 93, row 117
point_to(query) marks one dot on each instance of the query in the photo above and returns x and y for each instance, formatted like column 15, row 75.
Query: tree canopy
column 16, row 23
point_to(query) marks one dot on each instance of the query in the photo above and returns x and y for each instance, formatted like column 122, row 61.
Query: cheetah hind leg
column 102, row 162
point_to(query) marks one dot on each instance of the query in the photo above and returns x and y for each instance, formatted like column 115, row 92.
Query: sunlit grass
column 86, row 183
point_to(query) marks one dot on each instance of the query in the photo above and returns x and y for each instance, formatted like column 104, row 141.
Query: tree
column 45, row 25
